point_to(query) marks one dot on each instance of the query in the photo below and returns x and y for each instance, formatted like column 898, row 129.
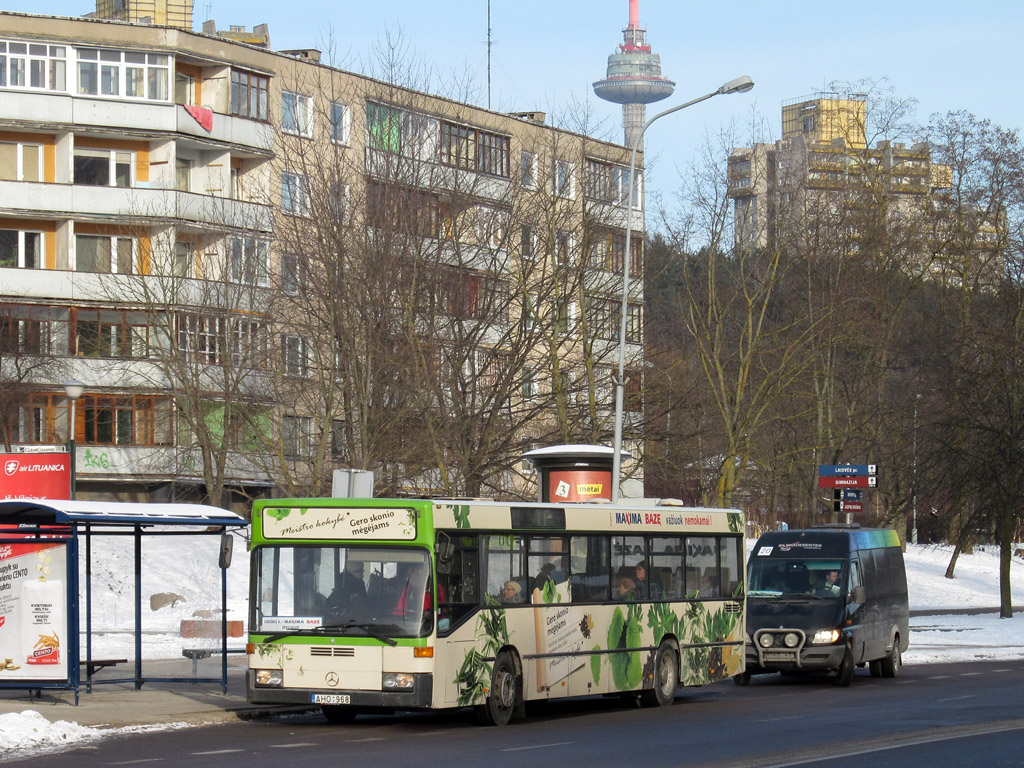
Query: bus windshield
column 353, row 591
column 795, row 577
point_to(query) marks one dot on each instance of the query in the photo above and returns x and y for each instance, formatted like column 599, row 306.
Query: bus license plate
column 331, row 698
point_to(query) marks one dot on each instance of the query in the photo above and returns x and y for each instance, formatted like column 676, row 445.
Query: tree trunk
column 952, row 561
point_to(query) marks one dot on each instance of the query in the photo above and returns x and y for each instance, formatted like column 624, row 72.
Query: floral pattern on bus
column 474, row 676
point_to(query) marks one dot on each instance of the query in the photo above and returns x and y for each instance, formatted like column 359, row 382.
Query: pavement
column 119, row 705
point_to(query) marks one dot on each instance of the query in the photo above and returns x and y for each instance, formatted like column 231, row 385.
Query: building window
column 297, row 436
column 126, row 420
column 528, row 169
column 528, row 243
column 104, row 254
column 472, row 149
column 339, row 439
column 32, row 330
column 248, row 344
column 184, row 259
column 292, row 274
column 296, row 114
column 249, row 261
column 249, row 95
column 21, row 162
column 293, row 194
column 123, row 74
column 21, row 249
column 111, row 333
column 201, row 338
column 341, row 123
column 565, row 319
column 564, row 242
column 103, row 167
column 529, row 388
column 563, row 179
column 634, row 323
column 33, row 65
column 295, row 354
column 606, row 182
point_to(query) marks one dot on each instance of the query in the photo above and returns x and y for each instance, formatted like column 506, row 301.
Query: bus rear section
column 826, row 599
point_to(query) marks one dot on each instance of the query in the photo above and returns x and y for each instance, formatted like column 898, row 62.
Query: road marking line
column 956, row 698
column 297, row 744
column 539, row 746
column 219, row 752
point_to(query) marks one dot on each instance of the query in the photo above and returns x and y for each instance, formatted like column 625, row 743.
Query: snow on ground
column 187, row 566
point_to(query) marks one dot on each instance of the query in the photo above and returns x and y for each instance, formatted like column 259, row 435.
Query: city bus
column 380, row 605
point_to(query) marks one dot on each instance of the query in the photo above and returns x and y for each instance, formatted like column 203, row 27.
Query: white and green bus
column 363, row 605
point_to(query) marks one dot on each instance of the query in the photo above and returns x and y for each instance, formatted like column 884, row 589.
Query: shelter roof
column 112, row 513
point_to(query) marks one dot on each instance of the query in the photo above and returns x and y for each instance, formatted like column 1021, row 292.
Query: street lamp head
column 74, row 388
column 739, row 85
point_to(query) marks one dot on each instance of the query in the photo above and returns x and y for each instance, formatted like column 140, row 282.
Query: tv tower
column 634, row 77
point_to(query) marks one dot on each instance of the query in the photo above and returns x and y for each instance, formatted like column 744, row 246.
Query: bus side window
column 590, row 566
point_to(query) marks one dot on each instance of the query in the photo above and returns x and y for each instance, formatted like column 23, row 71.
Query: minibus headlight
column 825, row 636
column 792, row 639
column 398, row 681
column 765, row 640
column 269, row 678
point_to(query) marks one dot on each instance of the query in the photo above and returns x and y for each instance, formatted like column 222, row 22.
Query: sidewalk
column 118, row 705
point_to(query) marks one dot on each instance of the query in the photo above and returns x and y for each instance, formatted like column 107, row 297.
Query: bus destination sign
column 377, row 523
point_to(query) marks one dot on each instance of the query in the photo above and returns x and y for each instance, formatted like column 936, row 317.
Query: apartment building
column 261, row 266
column 822, row 157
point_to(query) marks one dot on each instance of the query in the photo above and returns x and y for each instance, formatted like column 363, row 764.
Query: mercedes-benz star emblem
column 331, row 678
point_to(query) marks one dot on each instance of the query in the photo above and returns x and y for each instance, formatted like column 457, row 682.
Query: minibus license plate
column 331, row 698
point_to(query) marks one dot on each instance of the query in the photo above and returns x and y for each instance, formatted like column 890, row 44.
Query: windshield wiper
column 368, row 628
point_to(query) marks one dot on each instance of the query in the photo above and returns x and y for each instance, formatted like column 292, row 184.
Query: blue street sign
column 852, row 495
column 835, row 470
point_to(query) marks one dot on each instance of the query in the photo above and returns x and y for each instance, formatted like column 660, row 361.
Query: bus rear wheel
column 666, row 678
column 503, row 695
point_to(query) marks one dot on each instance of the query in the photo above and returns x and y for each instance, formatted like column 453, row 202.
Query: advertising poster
column 33, row 610
column 559, row 634
column 579, row 485
column 35, row 476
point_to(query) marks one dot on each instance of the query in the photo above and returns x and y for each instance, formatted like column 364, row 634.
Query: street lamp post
column 73, row 388
column 739, row 85
column 913, row 530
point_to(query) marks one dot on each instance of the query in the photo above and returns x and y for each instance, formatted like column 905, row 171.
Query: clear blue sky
column 948, row 55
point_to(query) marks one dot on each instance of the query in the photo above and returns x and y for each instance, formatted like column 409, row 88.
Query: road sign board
column 847, row 482
column 853, row 506
column 833, row 470
column 849, row 495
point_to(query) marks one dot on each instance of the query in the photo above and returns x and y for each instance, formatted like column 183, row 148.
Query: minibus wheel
column 891, row 664
column 845, row 670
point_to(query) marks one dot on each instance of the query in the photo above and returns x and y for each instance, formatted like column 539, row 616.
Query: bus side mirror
column 226, row 545
column 858, row 595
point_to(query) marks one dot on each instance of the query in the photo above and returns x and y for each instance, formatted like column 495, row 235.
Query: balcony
column 227, row 129
column 117, row 115
column 68, row 201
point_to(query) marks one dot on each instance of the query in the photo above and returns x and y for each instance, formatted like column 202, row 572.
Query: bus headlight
column 765, row 640
column 825, row 636
column 269, row 678
column 398, row 681
column 792, row 639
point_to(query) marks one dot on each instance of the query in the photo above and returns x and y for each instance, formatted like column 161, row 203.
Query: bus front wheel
column 503, row 695
column 666, row 678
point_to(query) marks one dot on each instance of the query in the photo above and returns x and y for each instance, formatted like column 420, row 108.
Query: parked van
column 829, row 598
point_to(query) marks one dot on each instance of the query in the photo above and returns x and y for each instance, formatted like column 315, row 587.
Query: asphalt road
column 934, row 716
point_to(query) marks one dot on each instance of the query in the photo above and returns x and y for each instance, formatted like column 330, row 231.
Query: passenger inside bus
column 626, row 590
column 511, row 593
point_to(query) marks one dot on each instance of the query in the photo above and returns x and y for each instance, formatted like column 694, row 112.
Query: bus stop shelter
column 41, row 591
